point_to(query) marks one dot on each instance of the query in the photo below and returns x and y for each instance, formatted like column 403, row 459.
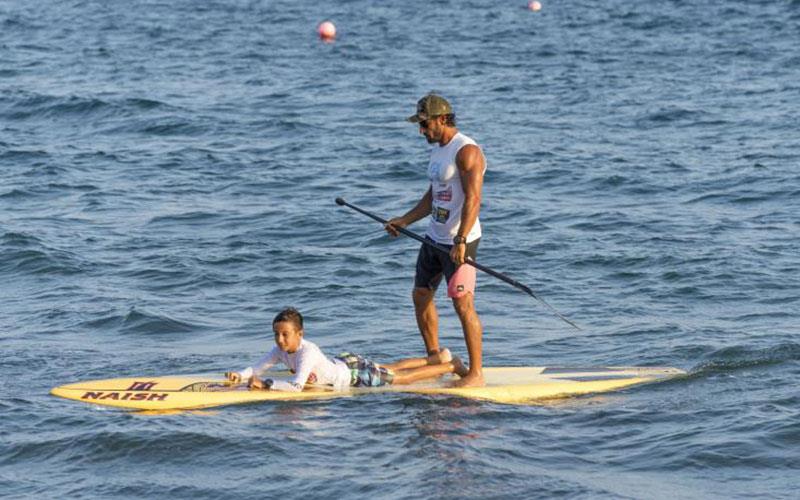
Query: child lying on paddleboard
column 310, row 365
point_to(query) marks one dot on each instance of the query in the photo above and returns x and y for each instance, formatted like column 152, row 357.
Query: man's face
column 432, row 129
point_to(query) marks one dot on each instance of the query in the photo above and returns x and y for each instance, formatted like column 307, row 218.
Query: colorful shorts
column 364, row 372
column 432, row 264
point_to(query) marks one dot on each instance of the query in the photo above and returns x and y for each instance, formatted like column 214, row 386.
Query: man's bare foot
column 460, row 368
column 443, row 356
column 470, row 380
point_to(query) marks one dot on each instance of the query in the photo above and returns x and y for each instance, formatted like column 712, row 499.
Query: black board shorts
column 432, row 264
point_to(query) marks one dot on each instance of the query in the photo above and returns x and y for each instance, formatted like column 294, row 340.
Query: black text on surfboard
column 125, row 396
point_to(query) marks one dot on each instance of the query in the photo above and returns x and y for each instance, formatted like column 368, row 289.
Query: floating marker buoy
column 327, row 31
column 534, row 5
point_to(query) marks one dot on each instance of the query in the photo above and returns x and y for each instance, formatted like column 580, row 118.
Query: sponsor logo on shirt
column 445, row 195
column 440, row 214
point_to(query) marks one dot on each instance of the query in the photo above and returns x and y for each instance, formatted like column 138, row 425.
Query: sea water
column 167, row 181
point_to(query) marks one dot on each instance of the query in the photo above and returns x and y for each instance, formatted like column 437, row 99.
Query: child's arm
column 265, row 363
column 305, row 364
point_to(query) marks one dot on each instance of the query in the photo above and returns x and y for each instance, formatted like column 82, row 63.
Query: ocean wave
column 165, row 126
column 99, row 446
column 26, row 105
column 22, row 155
column 137, row 321
column 17, row 194
column 740, row 357
column 671, row 116
column 186, row 218
column 31, row 105
column 37, row 262
column 26, row 254
column 747, row 195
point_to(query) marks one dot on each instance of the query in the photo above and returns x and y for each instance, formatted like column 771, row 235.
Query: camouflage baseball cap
column 429, row 106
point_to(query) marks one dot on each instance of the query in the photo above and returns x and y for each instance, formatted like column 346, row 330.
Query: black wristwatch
column 459, row 240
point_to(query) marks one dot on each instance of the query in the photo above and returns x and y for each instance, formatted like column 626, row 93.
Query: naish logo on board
column 142, row 386
column 129, row 396
column 125, row 396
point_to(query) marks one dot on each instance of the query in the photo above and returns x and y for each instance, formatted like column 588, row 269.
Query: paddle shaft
column 433, row 244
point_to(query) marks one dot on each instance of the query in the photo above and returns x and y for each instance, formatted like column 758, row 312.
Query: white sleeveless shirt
column 447, row 193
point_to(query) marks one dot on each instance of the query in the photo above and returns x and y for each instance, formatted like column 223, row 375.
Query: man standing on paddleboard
column 453, row 201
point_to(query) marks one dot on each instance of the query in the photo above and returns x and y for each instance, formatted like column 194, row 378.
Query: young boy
column 309, row 365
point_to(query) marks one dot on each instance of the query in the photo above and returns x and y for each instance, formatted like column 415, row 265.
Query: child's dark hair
column 289, row 314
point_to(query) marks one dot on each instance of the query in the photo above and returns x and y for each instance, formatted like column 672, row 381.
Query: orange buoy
column 327, row 31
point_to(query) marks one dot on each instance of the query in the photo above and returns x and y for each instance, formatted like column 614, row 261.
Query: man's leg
column 444, row 356
column 428, row 371
column 427, row 318
column 473, row 335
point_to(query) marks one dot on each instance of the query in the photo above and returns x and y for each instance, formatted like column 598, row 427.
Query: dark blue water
column 167, row 176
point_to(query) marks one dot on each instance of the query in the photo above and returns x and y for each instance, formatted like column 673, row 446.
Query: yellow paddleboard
column 503, row 385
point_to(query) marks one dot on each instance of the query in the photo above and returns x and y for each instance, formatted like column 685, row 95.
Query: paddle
column 492, row 272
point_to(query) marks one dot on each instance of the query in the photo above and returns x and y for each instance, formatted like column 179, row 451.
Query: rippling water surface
column 167, row 176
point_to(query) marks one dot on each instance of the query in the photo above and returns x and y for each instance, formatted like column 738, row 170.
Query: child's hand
column 255, row 383
column 233, row 377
